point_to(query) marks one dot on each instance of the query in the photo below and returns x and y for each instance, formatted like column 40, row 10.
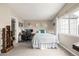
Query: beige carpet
column 25, row 49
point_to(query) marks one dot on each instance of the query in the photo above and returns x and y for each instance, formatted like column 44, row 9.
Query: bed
column 44, row 40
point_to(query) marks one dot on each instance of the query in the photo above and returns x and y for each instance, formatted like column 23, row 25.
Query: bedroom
column 42, row 19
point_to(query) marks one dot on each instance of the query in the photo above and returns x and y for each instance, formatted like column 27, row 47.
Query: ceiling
column 36, row 11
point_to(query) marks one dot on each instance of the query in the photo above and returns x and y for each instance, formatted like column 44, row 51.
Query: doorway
column 13, row 23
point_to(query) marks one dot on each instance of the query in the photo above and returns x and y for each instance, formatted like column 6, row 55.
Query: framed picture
column 20, row 24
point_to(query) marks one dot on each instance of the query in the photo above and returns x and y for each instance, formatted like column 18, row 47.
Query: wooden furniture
column 7, row 39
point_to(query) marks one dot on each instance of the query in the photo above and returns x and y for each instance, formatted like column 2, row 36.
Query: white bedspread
column 44, row 40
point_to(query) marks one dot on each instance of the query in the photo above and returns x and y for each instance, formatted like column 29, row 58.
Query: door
column 13, row 27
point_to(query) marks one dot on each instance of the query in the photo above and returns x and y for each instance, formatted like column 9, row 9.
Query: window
column 68, row 25
column 63, row 25
column 73, row 26
column 78, row 26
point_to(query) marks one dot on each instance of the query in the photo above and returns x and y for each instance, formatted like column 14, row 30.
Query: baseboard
column 68, row 49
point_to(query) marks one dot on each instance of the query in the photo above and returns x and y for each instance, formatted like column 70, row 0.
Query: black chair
column 23, row 36
column 27, row 35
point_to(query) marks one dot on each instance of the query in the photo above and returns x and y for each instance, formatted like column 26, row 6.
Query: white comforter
column 44, row 40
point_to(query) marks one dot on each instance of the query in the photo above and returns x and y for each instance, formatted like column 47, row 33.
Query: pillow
column 41, row 31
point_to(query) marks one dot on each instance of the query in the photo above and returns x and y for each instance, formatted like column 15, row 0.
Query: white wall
column 68, row 7
column 4, row 19
column 4, row 16
column 17, row 28
column 47, row 24
column 67, row 41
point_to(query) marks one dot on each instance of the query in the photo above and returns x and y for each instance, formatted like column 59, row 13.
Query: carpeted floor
column 25, row 49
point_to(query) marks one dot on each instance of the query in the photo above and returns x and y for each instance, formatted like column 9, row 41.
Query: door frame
column 16, row 28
